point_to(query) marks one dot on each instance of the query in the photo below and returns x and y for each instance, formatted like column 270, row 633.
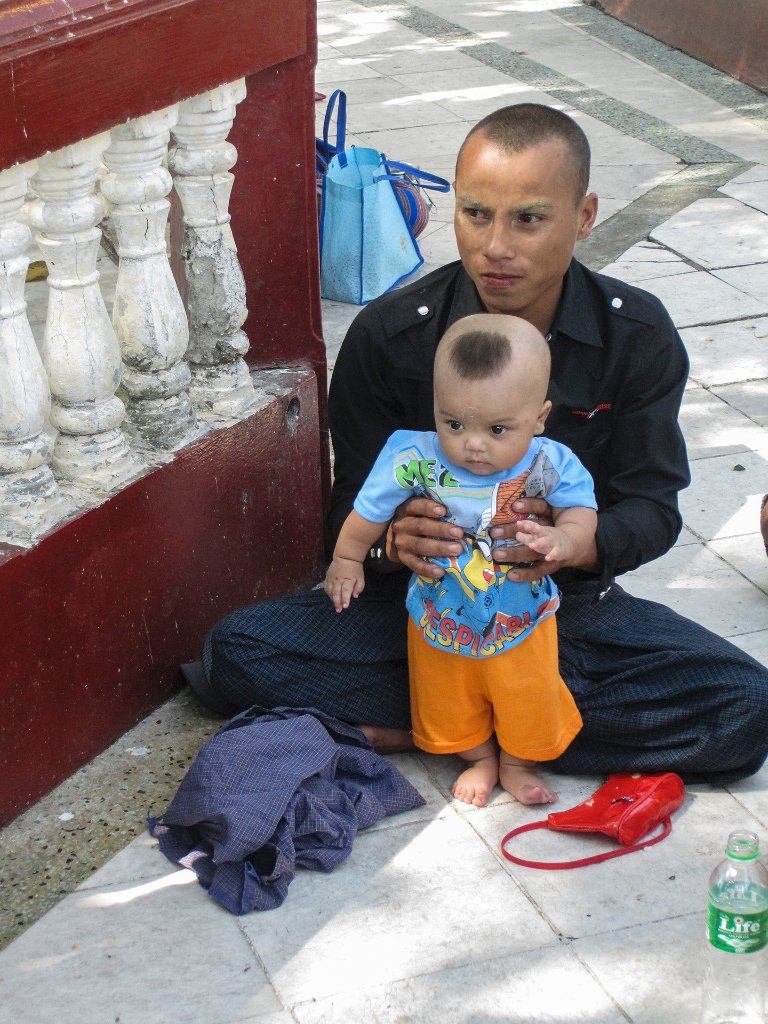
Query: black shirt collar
column 575, row 316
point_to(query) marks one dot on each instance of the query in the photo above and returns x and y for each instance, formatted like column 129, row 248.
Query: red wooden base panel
column 97, row 619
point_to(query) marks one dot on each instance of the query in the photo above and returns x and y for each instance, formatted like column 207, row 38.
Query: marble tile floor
column 426, row 921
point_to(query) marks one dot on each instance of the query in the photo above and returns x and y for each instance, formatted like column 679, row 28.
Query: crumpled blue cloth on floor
column 273, row 791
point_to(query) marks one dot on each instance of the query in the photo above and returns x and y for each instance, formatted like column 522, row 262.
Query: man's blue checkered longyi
column 657, row 692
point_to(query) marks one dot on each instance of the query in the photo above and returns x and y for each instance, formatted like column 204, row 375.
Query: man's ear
column 587, row 215
column 545, row 411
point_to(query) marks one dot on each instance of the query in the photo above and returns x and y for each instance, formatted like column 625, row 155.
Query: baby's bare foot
column 475, row 785
column 525, row 785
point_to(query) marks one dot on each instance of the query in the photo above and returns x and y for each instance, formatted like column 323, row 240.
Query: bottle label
column 739, row 932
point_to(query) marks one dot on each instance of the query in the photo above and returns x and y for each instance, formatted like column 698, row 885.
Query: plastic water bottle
column 737, row 930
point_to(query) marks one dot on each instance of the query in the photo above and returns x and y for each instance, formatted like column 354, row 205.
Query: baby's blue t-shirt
column 474, row 610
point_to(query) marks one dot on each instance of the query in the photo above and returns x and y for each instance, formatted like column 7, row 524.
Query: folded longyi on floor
column 273, row 791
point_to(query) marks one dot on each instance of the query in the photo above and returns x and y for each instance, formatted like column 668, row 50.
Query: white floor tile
column 333, row 72
column 723, row 501
column 631, row 182
column 757, row 173
column 753, row 280
column 654, row 971
column 694, row 582
column 427, row 146
column 749, row 398
column 439, row 246
column 747, row 554
column 372, row 87
column 701, row 298
column 612, row 148
column 439, row 86
column 752, row 794
column 392, row 115
column 728, row 352
column 713, row 427
column 546, row 986
column 750, row 193
column 138, row 954
column 393, row 55
column 429, row 55
column 395, row 909
column 716, row 233
column 436, row 805
column 644, row 262
column 375, row 38
column 476, row 103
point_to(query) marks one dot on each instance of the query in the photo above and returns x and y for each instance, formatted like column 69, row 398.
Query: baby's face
column 486, row 426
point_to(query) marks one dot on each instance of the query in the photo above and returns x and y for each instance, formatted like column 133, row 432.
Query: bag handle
column 338, row 97
column 563, row 865
column 421, row 178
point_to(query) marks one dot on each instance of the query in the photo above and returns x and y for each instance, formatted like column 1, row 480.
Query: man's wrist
column 378, row 558
column 377, row 554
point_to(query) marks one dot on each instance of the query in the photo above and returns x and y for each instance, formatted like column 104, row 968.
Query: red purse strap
column 666, row 828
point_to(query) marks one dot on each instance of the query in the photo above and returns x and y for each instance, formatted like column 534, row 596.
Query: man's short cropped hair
column 523, row 125
column 478, row 355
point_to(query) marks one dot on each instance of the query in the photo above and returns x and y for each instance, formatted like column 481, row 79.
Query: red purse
column 625, row 807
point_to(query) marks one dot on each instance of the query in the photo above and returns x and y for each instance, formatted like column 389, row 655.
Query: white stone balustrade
column 200, row 163
column 148, row 313
column 66, row 440
column 30, row 500
column 80, row 350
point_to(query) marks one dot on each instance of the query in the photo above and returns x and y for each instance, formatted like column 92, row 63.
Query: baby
column 482, row 649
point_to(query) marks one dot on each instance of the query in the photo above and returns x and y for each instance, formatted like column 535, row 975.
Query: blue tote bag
column 410, row 182
column 366, row 244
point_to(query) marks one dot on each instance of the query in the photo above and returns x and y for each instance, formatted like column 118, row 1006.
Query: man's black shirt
column 618, row 373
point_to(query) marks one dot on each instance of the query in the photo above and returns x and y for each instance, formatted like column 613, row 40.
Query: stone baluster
column 148, row 313
column 200, row 163
column 30, row 500
column 80, row 350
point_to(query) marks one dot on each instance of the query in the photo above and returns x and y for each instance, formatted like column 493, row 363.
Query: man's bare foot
column 475, row 785
column 385, row 740
column 521, row 780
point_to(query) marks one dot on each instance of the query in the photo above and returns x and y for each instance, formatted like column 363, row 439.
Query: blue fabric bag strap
column 324, row 149
column 421, row 178
column 338, row 97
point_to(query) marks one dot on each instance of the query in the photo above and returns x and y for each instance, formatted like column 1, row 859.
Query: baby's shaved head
column 481, row 346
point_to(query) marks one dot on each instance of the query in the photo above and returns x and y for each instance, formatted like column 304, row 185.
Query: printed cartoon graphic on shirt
column 463, row 609
column 501, row 510
column 421, row 474
column 473, row 609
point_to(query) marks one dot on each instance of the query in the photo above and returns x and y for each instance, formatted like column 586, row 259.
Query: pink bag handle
column 563, row 865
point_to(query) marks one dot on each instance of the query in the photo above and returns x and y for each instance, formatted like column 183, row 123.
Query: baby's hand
column 554, row 544
column 345, row 579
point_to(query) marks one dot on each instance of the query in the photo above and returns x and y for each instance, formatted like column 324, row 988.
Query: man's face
column 517, row 220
